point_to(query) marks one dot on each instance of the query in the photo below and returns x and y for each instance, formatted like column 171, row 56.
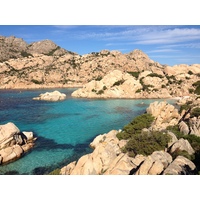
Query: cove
column 63, row 129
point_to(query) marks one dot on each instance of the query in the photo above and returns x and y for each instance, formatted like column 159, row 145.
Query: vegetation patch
column 197, row 87
column 195, row 112
column 136, row 126
column 117, row 83
column 146, row 143
column 26, row 54
column 155, row 75
column 55, row 172
column 134, row 74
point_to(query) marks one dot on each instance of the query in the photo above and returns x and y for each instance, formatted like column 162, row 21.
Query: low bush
column 134, row 74
column 136, row 126
column 197, row 87
column 147, row 143
column 55, row 172
column 195, row 112
column 117, row 83
column 155, row 75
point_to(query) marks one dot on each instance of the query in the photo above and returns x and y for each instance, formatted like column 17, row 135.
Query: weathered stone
column 13, row 142
column 194, row 124
column 182, row 145
column 7, row 131
column 51, row 96
column 67, row 170
column 165, row 115
column 173, row 138
column 184, row 128
column 180, row 165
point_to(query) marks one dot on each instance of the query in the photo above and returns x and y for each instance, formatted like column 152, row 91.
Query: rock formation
column 109, row 158
column 51, row 96
column 118, row 84
column 13, row 143
column 43, row 64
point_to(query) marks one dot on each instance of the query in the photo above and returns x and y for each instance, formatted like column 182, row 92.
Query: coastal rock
column 51, row 96
column 106, row 150
column 14, row 143
column 194, row 124
column 180, row 165
column 184, row 128
column 165, row 115
column 155, row 163
column 182, row 145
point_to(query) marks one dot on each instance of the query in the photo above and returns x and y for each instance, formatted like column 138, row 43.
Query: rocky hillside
column 12, row 47
column 164, row 140
column 44, row 64
column 104, row 74
column 144, row 84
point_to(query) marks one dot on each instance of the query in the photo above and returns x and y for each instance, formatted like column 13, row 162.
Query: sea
column 64, row 129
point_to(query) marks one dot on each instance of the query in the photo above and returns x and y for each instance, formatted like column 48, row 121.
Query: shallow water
column 63, row 129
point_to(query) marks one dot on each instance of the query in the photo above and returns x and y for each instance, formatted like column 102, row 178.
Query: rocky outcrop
column 14, row 48
column 109, row 157
column 180, row 166
column 146, row 84
column 43, row 64
column 13, row 143
column 165, row 115
column 51, row 96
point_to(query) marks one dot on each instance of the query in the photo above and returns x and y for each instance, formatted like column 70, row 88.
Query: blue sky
column 166, row 44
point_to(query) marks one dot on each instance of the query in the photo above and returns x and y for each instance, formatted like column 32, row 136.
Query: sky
column 166, row 44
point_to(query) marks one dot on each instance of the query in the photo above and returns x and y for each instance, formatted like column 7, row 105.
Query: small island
column 51, row 96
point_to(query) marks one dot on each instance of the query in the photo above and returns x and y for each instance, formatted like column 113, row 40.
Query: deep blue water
column 63, row 129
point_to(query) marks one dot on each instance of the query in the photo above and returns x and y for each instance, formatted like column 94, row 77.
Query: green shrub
column 184, row 107
column 55, row 172
column 195, row 112
column 191, row 90
column 190, row 72
column 25, row 54
column 155, row 75
column 117, row 83
column 36, row 81
column 175, row 129
column 104, row 87
column 136, row 126
column 100, row 92
column 134, row 74
column 147, row 143
column 183, row 153
column 138, row 91
column 52, row 51
column 197, row 87
column 98, row 78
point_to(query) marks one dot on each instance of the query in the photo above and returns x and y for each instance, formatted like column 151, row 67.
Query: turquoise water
column 63, row 129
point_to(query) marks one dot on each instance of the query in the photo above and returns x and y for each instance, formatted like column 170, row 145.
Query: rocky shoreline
column 178, row 156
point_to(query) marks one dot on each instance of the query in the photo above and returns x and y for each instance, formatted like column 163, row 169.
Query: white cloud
column 163, row 50
column 172, row 36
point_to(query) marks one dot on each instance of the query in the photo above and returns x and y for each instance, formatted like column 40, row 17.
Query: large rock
column 51, row 96
column 165, row 115
column 180, row 166
column 14, row 143
column 155, row 163
column 182, row 145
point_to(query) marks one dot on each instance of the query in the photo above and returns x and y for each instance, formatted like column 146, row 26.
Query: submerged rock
column 51, row 96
